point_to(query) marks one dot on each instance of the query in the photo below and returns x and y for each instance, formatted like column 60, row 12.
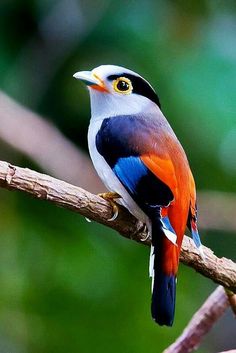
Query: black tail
column 164, row 286
column 163, row 298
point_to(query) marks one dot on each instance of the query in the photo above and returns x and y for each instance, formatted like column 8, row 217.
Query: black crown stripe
column 140, row 86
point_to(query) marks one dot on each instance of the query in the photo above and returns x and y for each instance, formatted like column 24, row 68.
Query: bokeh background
column 72, row 286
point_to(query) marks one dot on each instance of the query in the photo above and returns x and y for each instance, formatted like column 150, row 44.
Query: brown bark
column 220, row 270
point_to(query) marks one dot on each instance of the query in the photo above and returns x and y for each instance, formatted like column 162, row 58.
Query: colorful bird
column 138, row 157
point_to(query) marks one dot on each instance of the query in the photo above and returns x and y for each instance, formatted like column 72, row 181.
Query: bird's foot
column 111, row 196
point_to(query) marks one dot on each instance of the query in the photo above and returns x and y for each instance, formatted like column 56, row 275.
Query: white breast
column 107, row 175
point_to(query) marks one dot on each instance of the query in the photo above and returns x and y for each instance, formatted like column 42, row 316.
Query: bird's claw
column 110, row 196
column 115, row 211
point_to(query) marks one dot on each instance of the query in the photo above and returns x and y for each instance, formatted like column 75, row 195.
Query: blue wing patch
column 144, row 187
column 130, row 171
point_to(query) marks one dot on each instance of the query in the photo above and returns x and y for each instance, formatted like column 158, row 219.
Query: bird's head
column 115, row 90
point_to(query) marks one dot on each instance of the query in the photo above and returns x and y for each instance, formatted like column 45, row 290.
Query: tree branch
column 36, row 131
column 201, row 323
column 220, row 270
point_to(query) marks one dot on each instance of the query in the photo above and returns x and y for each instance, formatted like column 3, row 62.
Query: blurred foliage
column 70, row 286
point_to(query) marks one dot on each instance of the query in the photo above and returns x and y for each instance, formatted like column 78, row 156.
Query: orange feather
column 176, row 174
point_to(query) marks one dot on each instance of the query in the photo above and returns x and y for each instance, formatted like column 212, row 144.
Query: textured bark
column 44, row 187
column 201, row 323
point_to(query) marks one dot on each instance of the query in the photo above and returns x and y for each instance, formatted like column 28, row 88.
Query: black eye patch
column 140, row 86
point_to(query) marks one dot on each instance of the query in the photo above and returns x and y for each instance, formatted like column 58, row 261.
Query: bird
column 140, row 160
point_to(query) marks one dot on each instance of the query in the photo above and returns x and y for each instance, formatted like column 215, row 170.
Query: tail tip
column 163, row 299
column 160, row 322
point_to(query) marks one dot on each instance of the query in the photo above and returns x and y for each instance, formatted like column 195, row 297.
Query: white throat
column 108, row 105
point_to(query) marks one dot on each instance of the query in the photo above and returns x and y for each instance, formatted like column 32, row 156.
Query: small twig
column 201, row 323
column 220, row 270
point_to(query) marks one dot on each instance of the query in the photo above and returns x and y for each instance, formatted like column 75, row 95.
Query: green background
column 72, row 286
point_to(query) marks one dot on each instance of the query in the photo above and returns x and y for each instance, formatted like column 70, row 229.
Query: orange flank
column 180, row 181
column 163, row 169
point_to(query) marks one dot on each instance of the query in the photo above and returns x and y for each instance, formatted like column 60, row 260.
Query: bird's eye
column 122, row 85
